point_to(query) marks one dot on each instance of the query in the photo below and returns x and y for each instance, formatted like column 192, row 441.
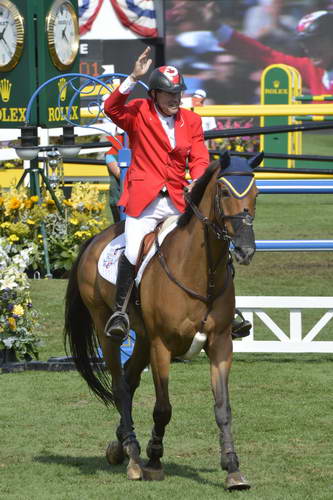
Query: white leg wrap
column 198, row 342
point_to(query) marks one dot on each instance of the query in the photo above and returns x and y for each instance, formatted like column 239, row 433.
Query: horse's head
column 235, row 202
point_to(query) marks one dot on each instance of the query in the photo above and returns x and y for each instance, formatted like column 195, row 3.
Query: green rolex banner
column 279, row 85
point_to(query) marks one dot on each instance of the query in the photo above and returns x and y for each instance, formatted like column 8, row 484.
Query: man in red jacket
column 314, row 32
column 164, row 139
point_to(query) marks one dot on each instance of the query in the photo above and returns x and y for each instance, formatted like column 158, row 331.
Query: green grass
column 54, row 432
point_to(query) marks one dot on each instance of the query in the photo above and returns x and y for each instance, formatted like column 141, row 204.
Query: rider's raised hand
column 142, row 64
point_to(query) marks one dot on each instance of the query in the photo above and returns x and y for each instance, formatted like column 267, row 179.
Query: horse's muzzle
column 243, row 240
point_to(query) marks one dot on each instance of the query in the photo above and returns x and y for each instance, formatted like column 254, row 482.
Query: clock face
column 62, row 33
column 11, row 35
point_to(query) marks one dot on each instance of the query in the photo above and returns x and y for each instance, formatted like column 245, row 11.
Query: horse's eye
column 225, row 192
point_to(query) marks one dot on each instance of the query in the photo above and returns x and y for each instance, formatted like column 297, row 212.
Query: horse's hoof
column 134, row 471
column 150, row 474
column 115, row 453
column 235, row 481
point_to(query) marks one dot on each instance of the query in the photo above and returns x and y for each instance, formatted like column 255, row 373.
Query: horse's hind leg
column 160, row 362
column 219, row 351
column 126, row 444
column 132, row 371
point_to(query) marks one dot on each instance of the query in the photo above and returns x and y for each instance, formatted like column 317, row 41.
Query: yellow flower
column 49, row 201
column 18, row 310
column 68, row 203
column 1, row 201
column 34, row 199
column 5, row 225
column 13, row 237
column 31, row 222
column 14, row 204
column 28, row 203
column 239, row 148
column 73, row 221
column 82, row 234
column 12, row 323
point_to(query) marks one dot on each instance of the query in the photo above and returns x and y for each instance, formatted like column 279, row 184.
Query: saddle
column 149, row 239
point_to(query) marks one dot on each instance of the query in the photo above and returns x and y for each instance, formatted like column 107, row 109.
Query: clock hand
column 7, row 47
column 64, row 34
column 3, row 32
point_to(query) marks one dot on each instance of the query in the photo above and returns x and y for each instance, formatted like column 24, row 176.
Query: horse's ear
column 256, row 160
column 225, row 159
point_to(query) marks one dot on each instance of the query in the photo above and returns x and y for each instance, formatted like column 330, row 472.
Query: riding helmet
column 317, row 24
column 166, row 78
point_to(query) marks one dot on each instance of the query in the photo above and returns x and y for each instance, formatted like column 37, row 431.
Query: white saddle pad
column 108, row 261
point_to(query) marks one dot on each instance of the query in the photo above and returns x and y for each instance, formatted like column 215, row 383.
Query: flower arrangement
column 238, row 144
column 18, row 318
column 22, row 215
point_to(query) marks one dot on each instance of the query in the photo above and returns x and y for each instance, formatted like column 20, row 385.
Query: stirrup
column 240, row 329
column 117, row 327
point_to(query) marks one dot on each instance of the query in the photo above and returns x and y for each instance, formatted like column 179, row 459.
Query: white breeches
column 137, row 227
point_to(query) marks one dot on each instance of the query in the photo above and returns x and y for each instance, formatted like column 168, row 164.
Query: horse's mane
column 197, row 192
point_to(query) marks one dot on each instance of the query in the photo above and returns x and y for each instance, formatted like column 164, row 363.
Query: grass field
column 54, row 432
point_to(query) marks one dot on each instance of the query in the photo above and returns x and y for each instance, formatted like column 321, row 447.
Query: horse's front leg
column 160, row 359
column 219, row 350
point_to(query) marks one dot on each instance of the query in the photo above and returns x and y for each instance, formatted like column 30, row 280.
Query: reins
column 220, row 233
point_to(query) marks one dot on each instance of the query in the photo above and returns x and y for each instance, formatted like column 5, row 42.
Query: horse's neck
column 199, row 247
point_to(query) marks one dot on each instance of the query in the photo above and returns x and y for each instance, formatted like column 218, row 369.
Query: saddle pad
column 108, row 261
column 109, row 258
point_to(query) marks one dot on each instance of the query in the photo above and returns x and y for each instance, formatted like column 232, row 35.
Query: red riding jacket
column 154, row 163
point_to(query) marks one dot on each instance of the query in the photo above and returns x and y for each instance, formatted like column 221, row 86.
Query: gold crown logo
column 276, row 84
column 5, row 89
column 62, row 86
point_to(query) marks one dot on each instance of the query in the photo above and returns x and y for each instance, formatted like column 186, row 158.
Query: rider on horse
column 165, row 140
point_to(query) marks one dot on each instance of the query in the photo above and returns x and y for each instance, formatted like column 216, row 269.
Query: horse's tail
column 80, row 336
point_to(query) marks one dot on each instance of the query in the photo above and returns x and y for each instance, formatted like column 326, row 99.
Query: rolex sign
column 33, row 51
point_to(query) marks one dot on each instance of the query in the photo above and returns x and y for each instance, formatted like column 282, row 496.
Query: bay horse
column 186, row 288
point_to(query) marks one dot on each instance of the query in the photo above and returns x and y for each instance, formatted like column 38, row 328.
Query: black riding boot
column 117, row 327
column 240, row 327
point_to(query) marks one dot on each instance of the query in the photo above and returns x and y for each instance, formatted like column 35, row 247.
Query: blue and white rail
column 295, row 186
column 294, row 245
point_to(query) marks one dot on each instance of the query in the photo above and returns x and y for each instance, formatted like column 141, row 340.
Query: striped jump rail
column 294, row 245
column 295, row 186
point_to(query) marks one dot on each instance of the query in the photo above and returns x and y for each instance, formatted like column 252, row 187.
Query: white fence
column 296, row 340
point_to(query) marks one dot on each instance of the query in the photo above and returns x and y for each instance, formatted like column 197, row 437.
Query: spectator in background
column 114, row 188
column 267, row 22
column 198, row 99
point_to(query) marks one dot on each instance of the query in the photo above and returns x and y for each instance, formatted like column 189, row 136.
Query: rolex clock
column 11, row 35
column 62, row 30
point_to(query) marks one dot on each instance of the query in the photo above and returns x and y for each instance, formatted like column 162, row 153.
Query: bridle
column 219, row 230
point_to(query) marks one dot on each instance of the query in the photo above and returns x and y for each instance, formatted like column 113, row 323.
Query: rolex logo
column 5, row 89
column 276, row 84
column 62, row 86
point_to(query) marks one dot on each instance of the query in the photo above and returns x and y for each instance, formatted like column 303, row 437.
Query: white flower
column 8, row 281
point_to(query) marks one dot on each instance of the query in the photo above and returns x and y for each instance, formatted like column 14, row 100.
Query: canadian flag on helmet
column 308, row 19
column 171, row 73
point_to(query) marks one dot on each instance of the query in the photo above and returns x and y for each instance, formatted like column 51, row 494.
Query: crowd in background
column 195, row 50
